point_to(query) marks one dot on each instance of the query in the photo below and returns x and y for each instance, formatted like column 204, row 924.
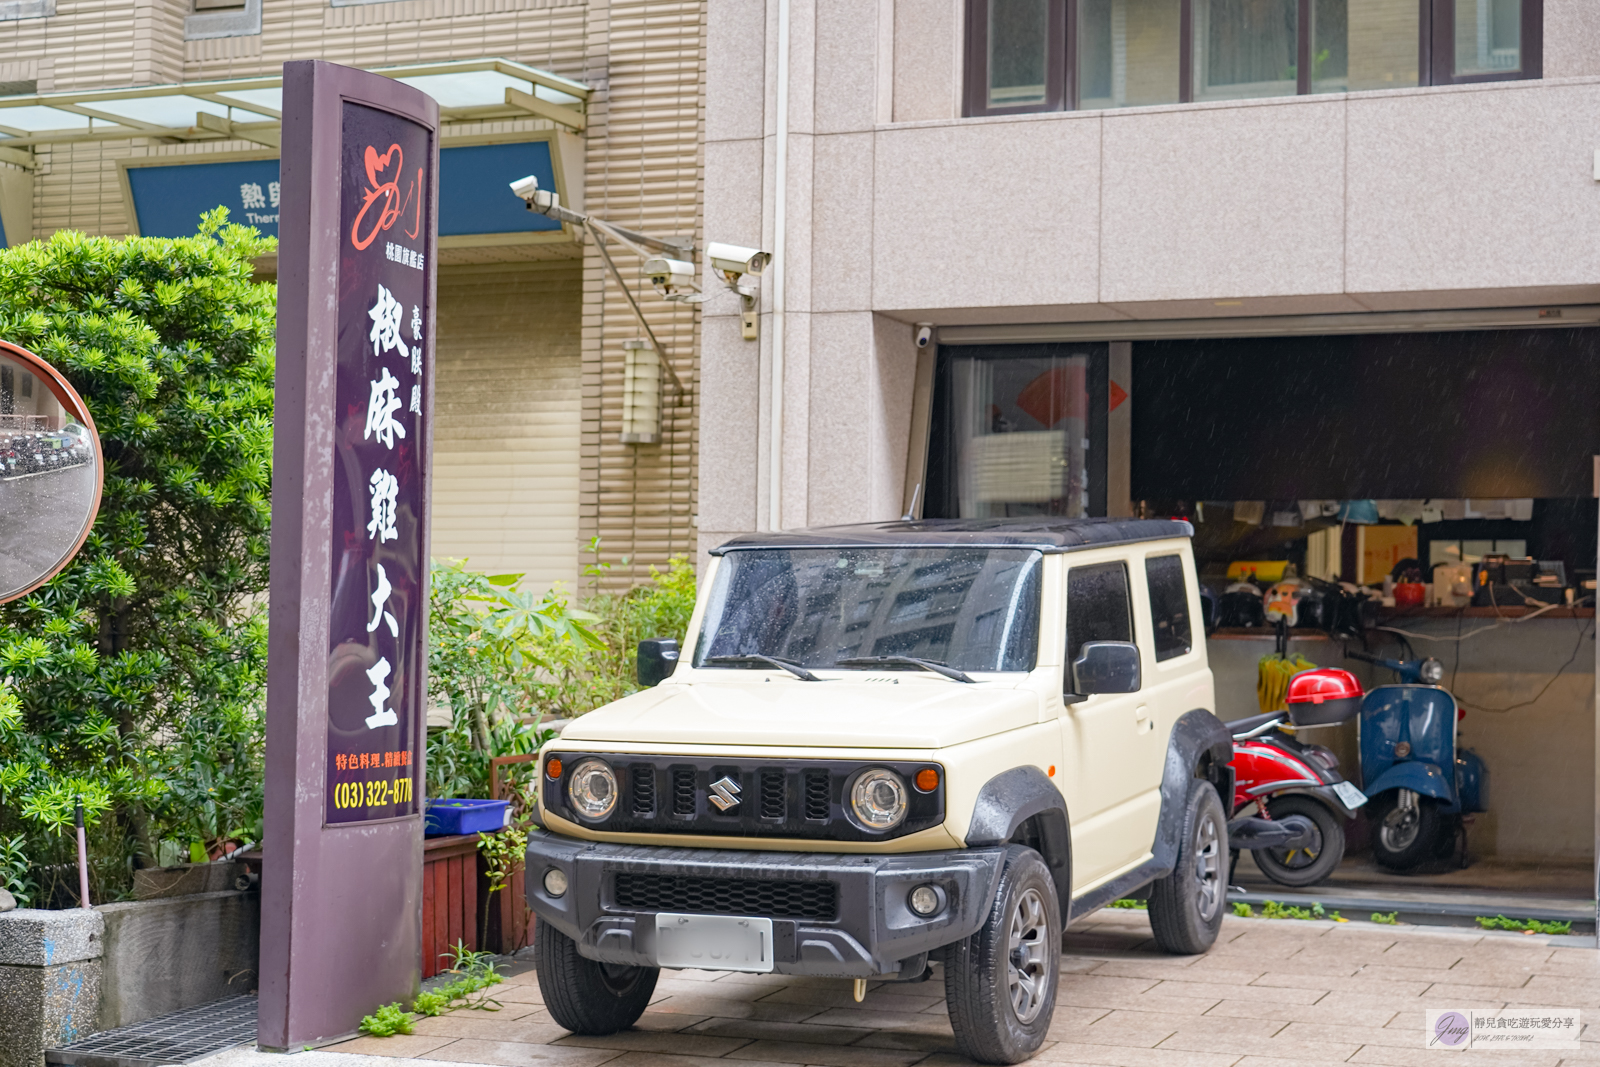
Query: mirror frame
column 68, row 398
column 1093, row 647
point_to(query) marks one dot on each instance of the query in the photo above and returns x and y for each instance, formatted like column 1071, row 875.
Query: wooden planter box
column 449, row 899
column 455, row 894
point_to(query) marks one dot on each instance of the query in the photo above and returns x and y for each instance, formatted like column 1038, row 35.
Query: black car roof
column 1043, row 533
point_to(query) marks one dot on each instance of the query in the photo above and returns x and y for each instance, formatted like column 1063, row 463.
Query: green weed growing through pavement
column 1527, row 926
column 386, row 1021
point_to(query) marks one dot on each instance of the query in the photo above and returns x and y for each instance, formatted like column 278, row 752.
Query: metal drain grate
column 179, row 1037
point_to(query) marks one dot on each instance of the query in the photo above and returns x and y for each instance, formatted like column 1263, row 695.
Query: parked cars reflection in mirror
column 50, row 472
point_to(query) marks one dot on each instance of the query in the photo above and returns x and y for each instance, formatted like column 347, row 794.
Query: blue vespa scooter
column 1420, row 783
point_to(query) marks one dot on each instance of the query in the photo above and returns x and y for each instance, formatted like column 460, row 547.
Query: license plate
column 713, row 942
column 1353, row 798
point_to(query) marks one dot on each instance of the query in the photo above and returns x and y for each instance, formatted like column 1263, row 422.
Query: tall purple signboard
column 341, row 909
column 377, row 647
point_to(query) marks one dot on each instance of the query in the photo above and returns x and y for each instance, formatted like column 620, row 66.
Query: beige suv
column 888, row 745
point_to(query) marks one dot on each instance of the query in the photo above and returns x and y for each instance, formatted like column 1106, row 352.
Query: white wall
column 898, row 211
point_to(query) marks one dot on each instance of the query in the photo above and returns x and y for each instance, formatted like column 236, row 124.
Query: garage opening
column 1406, row 497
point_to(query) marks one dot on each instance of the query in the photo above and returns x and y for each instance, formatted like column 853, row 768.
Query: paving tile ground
column 1271, row 993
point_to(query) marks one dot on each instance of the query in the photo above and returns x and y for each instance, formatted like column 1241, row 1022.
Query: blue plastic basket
column 446, row 817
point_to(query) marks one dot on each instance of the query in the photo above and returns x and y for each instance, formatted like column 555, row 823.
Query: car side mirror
column 1106, row 667
column 658, row 658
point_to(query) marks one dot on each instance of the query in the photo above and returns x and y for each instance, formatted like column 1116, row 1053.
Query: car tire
column 1000, row 983
column 1186, row 906
column 584, row 995
column 1400, row 843
column 1285, row 866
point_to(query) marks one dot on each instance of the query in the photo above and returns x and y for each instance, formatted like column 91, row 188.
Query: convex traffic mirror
column 50, row 472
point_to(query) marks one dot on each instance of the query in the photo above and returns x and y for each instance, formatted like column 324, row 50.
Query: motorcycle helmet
column 1282, row 601
column 1240, row 605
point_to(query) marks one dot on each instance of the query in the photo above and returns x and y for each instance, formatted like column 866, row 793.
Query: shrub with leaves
column 138, row 671
column 583, row 678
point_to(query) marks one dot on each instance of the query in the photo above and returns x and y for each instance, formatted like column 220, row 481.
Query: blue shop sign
column 474, row 192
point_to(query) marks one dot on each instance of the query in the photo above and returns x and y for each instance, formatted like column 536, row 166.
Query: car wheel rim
column 1207, row 868
column 1399, row 829
column 1028, row 956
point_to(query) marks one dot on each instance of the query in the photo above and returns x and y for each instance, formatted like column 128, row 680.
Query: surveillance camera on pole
column 673, row 279
column 545, row 201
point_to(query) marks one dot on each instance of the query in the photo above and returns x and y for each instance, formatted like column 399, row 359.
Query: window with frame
column 1098, row 607
column 1053, row 55
column 1169, row 606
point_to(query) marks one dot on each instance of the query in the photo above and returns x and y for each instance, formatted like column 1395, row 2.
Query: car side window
column 1169, row 606
column 1098, row 607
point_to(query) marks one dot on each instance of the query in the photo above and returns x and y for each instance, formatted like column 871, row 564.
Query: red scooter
column 1301, row 800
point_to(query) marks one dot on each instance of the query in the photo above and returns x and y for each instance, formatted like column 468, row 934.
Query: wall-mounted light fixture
column 641, row 394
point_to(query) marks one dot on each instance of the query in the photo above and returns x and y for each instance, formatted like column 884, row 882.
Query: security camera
column 734, row 260
column 664, row 271
column 544, row 201
column 924, row 334
column 673, row 278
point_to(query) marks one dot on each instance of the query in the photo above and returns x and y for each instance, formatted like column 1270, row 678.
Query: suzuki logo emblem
column 724, row 793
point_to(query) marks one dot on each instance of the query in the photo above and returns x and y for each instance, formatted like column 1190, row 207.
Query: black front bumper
column 873, row 931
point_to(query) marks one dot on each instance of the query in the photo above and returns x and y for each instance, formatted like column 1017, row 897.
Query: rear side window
column 1098, row 608
column 1169, row 605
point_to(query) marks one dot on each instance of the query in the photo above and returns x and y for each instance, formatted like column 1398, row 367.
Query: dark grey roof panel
column 1045, row 534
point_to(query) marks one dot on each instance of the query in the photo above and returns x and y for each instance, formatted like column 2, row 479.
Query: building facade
column 529, row 461
column 1085, row 256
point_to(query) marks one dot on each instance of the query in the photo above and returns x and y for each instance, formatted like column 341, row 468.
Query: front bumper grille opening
column 644, row 789
column 816, row 794
column 774, row 795
column 809, row 901
column 683, row 791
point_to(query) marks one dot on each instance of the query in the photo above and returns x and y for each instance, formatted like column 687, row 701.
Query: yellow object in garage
column 1270, row 571
column 1272, row 679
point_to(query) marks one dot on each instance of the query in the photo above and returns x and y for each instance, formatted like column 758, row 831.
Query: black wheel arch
column 1200, row 747
column 1023, row 806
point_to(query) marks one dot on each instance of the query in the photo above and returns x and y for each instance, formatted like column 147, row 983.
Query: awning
column 250, row 109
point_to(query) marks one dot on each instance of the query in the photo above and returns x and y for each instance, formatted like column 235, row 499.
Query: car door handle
column 1141, row 713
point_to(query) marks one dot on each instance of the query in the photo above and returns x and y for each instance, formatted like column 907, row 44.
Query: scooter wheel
column 1404, row 840
column 1311, row 863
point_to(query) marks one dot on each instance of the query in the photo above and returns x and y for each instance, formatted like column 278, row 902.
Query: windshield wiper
column 752, row 658
column 910, row 661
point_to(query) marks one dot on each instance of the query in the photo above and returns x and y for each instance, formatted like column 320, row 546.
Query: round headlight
column 593, row 789
column 555, row 881
column 879, row 799
column 1431, row 671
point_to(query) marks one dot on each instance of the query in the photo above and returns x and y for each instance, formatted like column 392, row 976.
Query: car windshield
column 974, row 609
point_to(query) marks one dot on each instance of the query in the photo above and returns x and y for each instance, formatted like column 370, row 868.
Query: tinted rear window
column 1169, row 605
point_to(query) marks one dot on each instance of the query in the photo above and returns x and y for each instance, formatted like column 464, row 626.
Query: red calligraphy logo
column 393, row 204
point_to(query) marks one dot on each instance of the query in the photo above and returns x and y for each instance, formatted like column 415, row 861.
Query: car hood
column 909, row 712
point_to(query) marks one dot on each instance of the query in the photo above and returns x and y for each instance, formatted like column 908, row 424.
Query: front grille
column 671, row 794
column 683, row 791
column 816, row 794
column 812, row 901
column 644, row 789
column 774, row 795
